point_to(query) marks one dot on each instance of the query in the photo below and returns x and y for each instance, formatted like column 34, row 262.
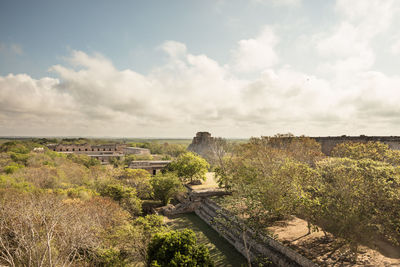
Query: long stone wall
column 329, row 142
column 102, row 152
column 261, row 246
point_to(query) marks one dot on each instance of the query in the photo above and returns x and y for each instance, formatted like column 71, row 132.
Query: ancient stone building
column 329, row 142
column 103, row 152
column 201, row 143
column 136, row 151
column 152, row 166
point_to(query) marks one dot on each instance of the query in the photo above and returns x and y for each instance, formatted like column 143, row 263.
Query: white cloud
column 192, row 92
column 345, row 41
column 174, row 49
column 256, row 54
column 371, row 17
column 347, row 47
column 188, row 93
column 395, row 47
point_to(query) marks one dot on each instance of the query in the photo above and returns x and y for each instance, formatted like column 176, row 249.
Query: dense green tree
column 189, row 166
column 357, row 199
column 139, row 179
column 13, row 167
column 173, row 150
column 16, row 147
column 83, row 160
column 370, row 150
column 124, row 195
column 271, row 173
column 129, row 158
column 58, row 209
column 166, row 186
column 177, row 249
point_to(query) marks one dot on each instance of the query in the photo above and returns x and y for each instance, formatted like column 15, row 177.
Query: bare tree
column 44, row 230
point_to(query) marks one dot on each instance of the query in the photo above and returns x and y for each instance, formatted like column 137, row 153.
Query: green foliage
column 173, row 150
column 177, row 249
column 110, row 257
column 19, row 158
column 355, row 150
column 80, row 192
column 13, row 167
column 139, row 179
column 79, row 140
column 7, row 183
column 129, row 158
column 356, row 197
column 89, row 205
column 189, row 166
column 117, row 192
column 83, row 160
column 124, row 195
column 265, row 176
column 223, row 171
column 15, row 147
column 151, row 223
column 371, row 150
column 166, row 186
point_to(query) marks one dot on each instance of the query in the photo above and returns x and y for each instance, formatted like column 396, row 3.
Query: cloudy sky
column 235, row 68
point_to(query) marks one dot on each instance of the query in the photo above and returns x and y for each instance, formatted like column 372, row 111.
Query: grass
column 223, row 253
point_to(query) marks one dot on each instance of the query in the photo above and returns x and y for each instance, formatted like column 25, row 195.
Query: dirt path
column 210, row 182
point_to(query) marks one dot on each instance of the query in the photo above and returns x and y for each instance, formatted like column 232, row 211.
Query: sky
column 235, row 68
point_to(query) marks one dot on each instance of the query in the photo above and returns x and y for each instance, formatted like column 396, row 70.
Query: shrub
column 190, row 166
column 177, row 248
column 139, row 179
column 166, row 186
column 13, row 167
column 126, row 196
column 19, row 158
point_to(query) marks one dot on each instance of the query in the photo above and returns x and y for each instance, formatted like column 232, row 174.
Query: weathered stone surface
column 103, row 152
column 329, row 142
column 260, row 245
column 152, row 166
column 201, row 143
column 192, row 201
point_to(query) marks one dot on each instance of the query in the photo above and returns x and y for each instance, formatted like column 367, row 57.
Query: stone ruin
column 201, row 143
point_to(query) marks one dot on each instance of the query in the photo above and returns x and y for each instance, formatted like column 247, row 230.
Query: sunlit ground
column 210, row 182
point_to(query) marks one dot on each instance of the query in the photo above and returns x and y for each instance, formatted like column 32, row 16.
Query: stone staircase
column 260, row 246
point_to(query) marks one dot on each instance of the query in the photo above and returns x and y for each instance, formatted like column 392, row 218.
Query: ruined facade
column 152, row 166
column 102, row 152
column 329, row 142
column 201, row 143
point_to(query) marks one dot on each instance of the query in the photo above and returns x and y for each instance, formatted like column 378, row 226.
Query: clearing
column 326, row 251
